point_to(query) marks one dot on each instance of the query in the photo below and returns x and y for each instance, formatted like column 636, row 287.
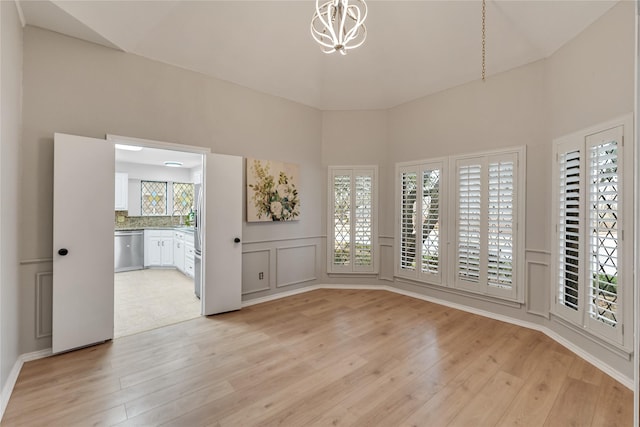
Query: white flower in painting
column 276, row 209
column 283, row 190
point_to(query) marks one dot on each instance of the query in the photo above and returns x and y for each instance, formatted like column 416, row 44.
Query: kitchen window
column 153, row 198
column 182, row 198
column 352, row 227
column 592, row 211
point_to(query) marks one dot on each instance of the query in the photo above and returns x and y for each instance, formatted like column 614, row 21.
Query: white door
column 222, row 249
column 83, row 217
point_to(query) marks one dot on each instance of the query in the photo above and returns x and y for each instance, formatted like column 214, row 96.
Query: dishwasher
column 129, row 250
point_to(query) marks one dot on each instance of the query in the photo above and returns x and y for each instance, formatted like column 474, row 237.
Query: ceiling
column 413, row 48
column 157, row 157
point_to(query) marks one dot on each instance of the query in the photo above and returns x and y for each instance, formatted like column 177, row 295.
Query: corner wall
column 10, row 132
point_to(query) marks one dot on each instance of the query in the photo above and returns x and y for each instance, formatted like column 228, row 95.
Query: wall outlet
column 260, row 275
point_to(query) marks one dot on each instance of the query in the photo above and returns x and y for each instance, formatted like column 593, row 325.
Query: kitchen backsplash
column 122, row 220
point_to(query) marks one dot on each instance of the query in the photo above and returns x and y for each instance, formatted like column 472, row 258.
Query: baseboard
column 608, row 369
column 15, row 372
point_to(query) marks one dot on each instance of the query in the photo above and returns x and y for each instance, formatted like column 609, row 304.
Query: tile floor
column 152, row 298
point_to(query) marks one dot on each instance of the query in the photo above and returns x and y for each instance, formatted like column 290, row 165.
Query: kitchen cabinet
column 178, row 250
column 122, row 191
column 184, row 252
column 189, row 257
column 158, row 248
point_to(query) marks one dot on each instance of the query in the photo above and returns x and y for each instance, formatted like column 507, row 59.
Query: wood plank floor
column 327, row 357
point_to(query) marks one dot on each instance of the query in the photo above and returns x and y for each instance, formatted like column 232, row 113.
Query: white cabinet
column 184, row 252
column 189, row 256
column 178, row 250
column 122, row 191
column 158, row 248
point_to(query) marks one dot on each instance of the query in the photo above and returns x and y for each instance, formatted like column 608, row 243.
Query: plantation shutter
column 352, row 228
column 569, row 229
column 604, row 244
column 408, row 231
column 500, row 224
column 341, row 254
column 469, row 222
column 430, row 265
column 363, row 221
column 589, row 261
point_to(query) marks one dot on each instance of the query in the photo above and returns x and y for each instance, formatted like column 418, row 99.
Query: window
column 419, row 255
column 488, row 244
column 457, row 222
column 592, row 210
column 182, row 198
column 153, row 198
column 352, row 227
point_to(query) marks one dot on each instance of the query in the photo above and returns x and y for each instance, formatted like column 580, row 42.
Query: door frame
column 150, row 143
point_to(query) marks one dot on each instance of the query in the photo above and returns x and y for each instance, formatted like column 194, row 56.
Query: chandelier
column 338, row 25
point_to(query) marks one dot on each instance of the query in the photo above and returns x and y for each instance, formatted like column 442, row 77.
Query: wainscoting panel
column 256, row 267
column 44, row 304
column 295, row 264
column 386, row 262
column 537, row 282
column 36, row 307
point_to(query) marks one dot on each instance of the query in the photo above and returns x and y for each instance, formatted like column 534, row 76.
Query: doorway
column 155, row 266
column 83, row 236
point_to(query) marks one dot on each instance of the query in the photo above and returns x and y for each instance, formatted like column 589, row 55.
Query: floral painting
column 272, row 191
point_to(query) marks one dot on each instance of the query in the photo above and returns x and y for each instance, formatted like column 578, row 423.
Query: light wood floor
column 327, row 357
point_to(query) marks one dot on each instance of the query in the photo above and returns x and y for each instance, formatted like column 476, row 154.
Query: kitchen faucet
column 180, row 217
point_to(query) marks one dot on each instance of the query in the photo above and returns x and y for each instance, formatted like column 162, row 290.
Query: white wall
column 138, row 172
column 81, row 88
column 10, row 133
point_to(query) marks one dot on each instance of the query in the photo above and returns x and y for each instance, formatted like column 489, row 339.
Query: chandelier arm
column 322, row 36
column 355, row 30
column 320, row 15
column 364, row 37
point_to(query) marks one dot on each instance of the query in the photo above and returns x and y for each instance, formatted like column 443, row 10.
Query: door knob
column 237, row 240
column 63, row 252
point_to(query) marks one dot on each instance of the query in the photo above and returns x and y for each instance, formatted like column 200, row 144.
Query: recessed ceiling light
column 173, row 164
column 128, row 147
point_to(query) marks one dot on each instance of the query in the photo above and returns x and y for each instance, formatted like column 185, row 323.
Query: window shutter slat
column 500, row 224
column 407, row 221
column 469, row 208
column 569, row 239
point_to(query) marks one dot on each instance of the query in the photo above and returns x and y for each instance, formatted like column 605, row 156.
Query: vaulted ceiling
column 413, row 48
